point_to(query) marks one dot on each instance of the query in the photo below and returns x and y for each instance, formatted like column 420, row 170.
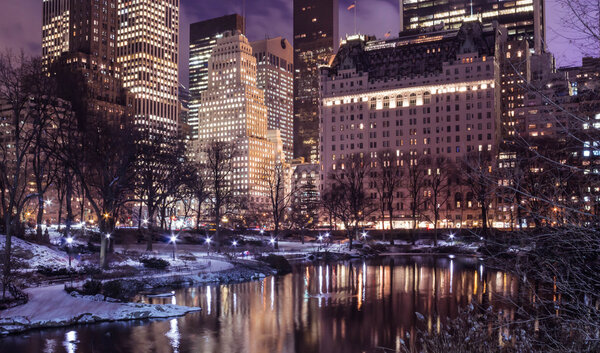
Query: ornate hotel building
column 148, row 51
column 418, row 95
column 233, row 110
column 523, row 19
column 275, row 69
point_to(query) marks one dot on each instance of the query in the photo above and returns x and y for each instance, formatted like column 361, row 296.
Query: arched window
column 426, row 98
column 399, row 101
column 386, row 102
column 413, row 99
column 373, row 103
column 457, row 200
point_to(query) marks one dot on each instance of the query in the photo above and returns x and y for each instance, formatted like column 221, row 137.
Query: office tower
column 203, row 38
column 147, row 40
column 275, row 58
column 377, row 99
column 523, row 19
column 233, row 110
column 315, row 42
column 81, row 36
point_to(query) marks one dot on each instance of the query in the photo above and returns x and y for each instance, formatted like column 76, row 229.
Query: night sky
column 20, row 23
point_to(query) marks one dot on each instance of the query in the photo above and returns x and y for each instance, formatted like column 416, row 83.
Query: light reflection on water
column 342, row 307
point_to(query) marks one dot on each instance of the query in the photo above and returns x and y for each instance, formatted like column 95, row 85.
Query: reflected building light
column 70, row 342
column 364, row 280
column 320, row 279
column 451, row 274
column 272, row 291
column 208, row 300
column 234, row 301
column 173, row 335
column 50, row 346
column 327, row 279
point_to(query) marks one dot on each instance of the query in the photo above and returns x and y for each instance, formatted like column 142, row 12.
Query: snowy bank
column 53, row 307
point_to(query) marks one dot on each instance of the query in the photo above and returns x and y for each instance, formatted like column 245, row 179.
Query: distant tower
column 148, row 50
column 275, row 58
column 315, row 42
column 81, row 36
column 233, row 110
column 203, row 38
column 522, row 19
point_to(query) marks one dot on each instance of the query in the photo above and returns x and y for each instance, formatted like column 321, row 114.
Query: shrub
column 112, row 289
column 91, row 287
column 51, row 271
column 278, row 262
column 154, row 262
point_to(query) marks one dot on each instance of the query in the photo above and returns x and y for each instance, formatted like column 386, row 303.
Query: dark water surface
column 353, row 306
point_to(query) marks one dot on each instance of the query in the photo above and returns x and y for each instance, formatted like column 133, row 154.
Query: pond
column 350, row 306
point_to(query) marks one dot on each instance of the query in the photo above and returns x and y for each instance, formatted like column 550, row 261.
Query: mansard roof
column 413, row 54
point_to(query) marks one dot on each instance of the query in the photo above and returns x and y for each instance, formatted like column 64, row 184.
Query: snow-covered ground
column 53, row 307
column 41, row 255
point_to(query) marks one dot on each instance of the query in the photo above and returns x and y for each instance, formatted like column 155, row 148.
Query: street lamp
column 174, row 241
column 208, row 241
column 69, row 242
column 272, row 241
column 364, row 235
column 107, row 240
column 451, row 236
column 234, row 243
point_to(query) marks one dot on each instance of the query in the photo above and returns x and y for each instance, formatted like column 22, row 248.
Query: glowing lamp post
column 174, row 241
column 69, row 242
column 451, row 236
column 364, row 235
column 208, row 241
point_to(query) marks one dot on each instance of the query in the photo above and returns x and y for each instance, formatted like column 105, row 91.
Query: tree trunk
column 40, row 218
column 150, row 226
column 7, row 252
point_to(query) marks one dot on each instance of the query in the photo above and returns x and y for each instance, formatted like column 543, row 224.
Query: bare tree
column 17, row 74
column 280, row 197
column 304, row 211
column 388, row 181
column 161, row 170
column 477, row 174
column 219, row 166
column 415, row 184
column 348, row 183
column 439, row 175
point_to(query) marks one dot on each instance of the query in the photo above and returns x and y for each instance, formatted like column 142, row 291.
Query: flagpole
column 355, row 8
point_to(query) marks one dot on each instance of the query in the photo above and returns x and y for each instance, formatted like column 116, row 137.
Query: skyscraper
column 81, row 36
column 315, row 43
column 203, row 38
column 233, row 110
column 275, row 77
column 523, row 19
column 148, row 39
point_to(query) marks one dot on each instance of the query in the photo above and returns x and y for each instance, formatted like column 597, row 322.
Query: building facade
column 411, row 97
column 203, row 38
column 233, row 110
column 80, row 36
column 522, row 19
column 315, row 43
column 275, row 76
column 148, row 51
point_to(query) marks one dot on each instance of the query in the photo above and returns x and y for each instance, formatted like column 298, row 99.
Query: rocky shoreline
column 52, row 306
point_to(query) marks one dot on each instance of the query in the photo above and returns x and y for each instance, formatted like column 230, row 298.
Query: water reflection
column 345, row 307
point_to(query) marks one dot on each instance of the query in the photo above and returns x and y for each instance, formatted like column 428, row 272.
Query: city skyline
column 268, row 18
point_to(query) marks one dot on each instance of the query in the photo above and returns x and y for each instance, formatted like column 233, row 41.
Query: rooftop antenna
column 244, row 14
